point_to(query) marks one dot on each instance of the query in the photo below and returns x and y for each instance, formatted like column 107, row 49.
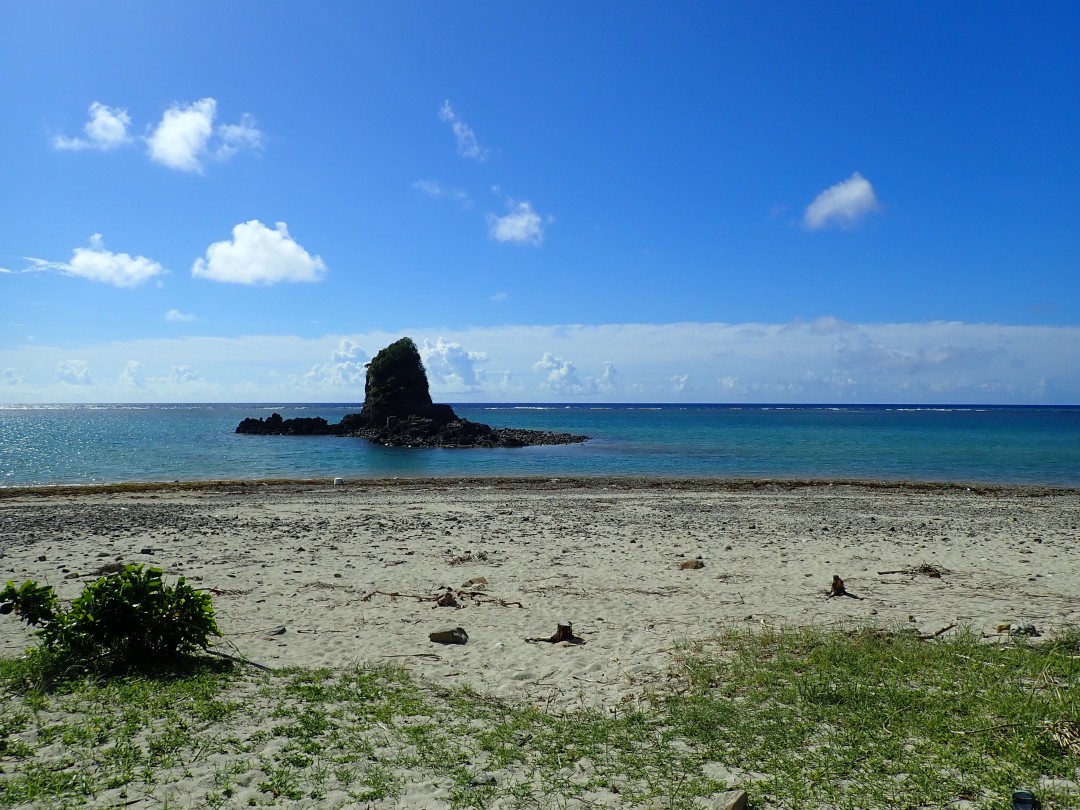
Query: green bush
column 127, row 620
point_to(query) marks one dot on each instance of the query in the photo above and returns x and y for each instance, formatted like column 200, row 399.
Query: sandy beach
column 305, row 573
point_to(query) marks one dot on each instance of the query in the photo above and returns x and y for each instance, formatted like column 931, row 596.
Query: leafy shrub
column 127, row 620
column 35, row 603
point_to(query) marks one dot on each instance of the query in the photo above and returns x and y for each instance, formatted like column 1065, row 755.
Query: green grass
column 800, row 719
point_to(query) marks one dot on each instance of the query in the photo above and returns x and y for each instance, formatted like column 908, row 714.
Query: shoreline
column 311, row 574
column 546, row 483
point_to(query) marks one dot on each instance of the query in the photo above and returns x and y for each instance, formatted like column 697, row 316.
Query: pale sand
column 602, row 554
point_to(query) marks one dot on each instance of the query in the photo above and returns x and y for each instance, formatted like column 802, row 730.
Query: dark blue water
column 112, row 443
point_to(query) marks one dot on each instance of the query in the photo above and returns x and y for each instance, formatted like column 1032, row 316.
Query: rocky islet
column 398, row 412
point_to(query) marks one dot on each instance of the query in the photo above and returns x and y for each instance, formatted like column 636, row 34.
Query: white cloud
column 179, row 141
column 437, row 190
column 820, row 361
column 563, row 378
column 74, row 372
column 857, row 349
column 132, row 375
column 106, row 129
column 258, row 255
column 176, row 316
column 500, row 296
column 182, row 375
column 467, row 144
column 346, row 369
column 95, row 263
column 842, row 205
column 521, row 226
column 450, row 367
column 236, row 137
column 10, row 377
column 182, row 140
column 608, row 377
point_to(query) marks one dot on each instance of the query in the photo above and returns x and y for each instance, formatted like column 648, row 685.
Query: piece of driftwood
column 942, row 631
column 432, row 656
column 396, row 595
column 481, row 598
column 838, row 589
column 240, row 660
column 563, row 632
column 447, row 598
column 925, row 569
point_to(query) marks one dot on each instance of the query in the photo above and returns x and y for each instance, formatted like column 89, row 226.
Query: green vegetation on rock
column 397, row 384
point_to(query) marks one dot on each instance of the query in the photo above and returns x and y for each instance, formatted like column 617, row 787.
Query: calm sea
column 113, row 443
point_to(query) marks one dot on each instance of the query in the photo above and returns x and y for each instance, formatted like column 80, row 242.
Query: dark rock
column 396, row 389
column 449, row 635
column 398, row 412
column 275, row 425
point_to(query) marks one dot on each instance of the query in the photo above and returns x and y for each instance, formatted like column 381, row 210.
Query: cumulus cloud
column 607, row 379
column 450, row 366
column 10, row 377
column 258, row 255
column 186, row 136
column 73, row 372
column 132, row 375
column 500, row 296
column 841, row 205
column 106, row 129
column 95, row 263
column 176, row 316
column 236, row 137
column 563, row 377
column 346, row 369
column 522, row 226
column 179, row 140
column 467, row 145
column 182, row 375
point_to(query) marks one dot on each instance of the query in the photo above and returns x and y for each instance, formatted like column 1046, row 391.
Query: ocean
column 87, row 444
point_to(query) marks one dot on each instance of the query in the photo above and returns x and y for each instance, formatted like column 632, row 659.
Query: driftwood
column 240, row 660
column 942, row 631
column 838, row 589
column 925, row 569
column 448, row 598
column 395, row 595
column 481, row 598
column 882, row 633
column 564, row 632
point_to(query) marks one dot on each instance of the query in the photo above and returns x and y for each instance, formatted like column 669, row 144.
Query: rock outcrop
column 398, row 412
column 275, row 425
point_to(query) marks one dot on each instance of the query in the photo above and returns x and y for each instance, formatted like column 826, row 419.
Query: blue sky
column 719, row 202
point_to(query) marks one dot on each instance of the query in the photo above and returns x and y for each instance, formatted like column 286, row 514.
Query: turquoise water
column 111, row 443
